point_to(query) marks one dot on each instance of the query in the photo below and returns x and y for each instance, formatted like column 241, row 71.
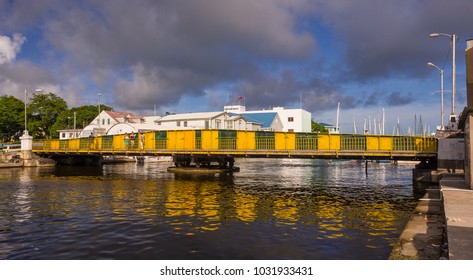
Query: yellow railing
column 233, row 141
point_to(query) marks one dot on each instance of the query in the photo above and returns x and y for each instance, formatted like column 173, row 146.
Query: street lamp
column 453, row 40
column 26, row 102
column 430, row 64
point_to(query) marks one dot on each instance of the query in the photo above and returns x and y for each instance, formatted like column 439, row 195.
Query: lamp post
column 430, row 64
column 453, row 39
column 26, row 102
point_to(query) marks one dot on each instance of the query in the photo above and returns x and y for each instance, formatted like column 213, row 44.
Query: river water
column 271, row 209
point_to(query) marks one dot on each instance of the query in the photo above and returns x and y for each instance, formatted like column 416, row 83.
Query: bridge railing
column 237, row 140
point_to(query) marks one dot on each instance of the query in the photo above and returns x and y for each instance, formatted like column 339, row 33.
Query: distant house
column 332, row 129
column 269, row 121
column 239, row 122
column 69, row 133
column 288, row 120
column 121, row 122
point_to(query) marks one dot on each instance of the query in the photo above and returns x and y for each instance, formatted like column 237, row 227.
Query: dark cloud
column 14, row 78
column 390, row 38
column 372, row 100
column 157, row 52
column 287, row 89
column 396, row 99
column 174, row 48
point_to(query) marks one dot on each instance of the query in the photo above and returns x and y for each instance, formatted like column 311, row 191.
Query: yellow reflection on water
column 208, row 208
column 181, row 199
column 330, row 213
column 285, row 210
column 245, row 205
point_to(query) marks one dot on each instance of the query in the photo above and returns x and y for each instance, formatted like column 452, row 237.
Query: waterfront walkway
column 443, row 219
column 458, row 207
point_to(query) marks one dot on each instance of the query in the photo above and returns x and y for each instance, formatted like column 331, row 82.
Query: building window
column 103, row 121
column 63, row 135
column 178, row 123
column 108, row 121
column 217, row 124
column 185, row 123
column 290, row 130
column 206, row 124
column 290, row 119
column 159, row 123
column 229, row 124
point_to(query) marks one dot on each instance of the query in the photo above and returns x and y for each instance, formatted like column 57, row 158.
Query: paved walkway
column 458, row 207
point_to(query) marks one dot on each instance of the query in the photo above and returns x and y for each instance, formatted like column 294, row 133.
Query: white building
column 208, row 120
column 233, row 117
column 291, row 120
column 121, row 122
column 332, row 129
column 65, row 134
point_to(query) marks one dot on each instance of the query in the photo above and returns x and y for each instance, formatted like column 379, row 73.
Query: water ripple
column 278, row 209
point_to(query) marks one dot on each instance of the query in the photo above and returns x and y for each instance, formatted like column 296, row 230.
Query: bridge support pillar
column 29, row 159
column 423, row 172
column 26, row 148
column 203, row 161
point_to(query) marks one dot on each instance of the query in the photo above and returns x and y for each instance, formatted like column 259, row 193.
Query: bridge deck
column 246, row 144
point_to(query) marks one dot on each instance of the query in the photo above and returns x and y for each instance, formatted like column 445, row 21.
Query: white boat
column 153, row 158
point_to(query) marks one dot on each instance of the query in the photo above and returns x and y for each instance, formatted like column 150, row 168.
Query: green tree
column 318, row 128
column 44, row 110
column 12, row 117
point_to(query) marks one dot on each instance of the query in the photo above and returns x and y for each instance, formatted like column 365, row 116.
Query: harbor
column 286, row 209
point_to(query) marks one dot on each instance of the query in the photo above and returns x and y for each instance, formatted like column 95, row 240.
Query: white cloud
column 9, row 48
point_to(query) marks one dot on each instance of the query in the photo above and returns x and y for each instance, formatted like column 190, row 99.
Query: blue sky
column 193, row 56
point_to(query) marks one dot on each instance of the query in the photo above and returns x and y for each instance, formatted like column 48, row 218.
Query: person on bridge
column 126, row 140
column 132, row 140
column 142, row 141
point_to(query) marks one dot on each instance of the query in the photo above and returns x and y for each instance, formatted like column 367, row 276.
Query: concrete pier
column 442, row 225
column 457, row 201
column 423, row 237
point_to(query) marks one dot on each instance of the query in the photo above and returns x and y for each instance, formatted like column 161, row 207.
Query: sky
column 196, row 56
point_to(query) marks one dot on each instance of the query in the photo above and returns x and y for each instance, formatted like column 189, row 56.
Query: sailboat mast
column 398, row 127
column 354, row 124
column 383, row 121
column 374, row 123
column 338, row 117
column 369, row 124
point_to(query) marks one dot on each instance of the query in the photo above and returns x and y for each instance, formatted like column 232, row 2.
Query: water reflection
column 278, row 209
